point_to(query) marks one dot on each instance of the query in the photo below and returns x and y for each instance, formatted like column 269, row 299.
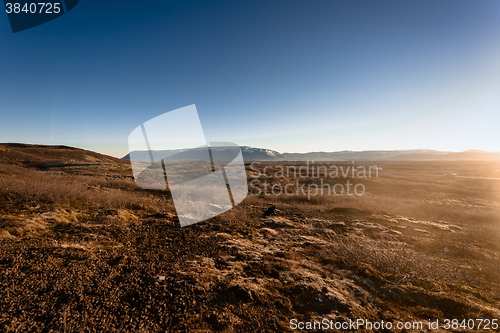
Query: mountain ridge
column 36, row 153
column 264, row 154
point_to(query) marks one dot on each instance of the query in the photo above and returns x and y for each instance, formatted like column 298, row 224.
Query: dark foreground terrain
column 82, row 249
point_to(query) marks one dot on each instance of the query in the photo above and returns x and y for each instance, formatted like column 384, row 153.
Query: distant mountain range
column 47, row 156
column 261, row 154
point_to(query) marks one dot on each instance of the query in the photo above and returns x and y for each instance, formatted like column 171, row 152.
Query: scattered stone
column 277, row 223
column 269, row 232
column 158, row 279
column 271, row 210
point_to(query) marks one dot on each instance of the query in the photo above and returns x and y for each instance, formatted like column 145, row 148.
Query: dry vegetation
column 83, row 249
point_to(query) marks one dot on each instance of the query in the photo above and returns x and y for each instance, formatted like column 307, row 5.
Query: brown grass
column 82, row 248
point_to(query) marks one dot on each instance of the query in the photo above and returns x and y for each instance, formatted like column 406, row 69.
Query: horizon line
column 286, row 152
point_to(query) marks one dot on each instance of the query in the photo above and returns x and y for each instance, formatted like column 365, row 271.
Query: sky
column 288, row 75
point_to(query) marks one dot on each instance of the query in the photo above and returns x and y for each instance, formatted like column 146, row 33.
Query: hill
column 45, row 156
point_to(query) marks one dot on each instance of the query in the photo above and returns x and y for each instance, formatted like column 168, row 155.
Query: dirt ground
column 83, row 249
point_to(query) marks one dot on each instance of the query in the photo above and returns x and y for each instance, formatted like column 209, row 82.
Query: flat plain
column 83, row 249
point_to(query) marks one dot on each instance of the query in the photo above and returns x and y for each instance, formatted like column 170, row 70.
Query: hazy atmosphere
column 352, row 182
column 293, row 76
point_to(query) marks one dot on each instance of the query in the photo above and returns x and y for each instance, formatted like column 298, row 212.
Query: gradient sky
column 293, row 76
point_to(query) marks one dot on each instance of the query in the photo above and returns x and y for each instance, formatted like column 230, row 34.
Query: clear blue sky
column 293, row 76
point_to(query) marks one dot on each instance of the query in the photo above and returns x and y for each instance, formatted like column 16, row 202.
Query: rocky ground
column 82, row 249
